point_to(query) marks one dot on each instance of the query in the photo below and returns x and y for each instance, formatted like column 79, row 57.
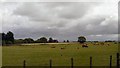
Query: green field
column 40, row 54
column 0, row 56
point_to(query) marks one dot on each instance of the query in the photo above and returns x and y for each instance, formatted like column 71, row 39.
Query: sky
column 61, row 20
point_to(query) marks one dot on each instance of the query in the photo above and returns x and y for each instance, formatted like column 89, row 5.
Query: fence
column 118, row 60
column 90, row 65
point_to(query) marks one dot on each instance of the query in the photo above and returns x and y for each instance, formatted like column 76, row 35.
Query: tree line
column 8, row 38
column 40, row 40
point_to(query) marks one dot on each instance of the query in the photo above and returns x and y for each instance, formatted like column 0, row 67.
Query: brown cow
column 85, row 45
column 62, row 48
column 53, row 47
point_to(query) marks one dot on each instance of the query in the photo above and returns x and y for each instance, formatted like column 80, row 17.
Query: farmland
column 37, row 54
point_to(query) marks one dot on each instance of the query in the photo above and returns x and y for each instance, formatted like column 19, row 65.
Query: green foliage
column 28, row 40
column 18, row 41
column 9, row 42
column 50, row 40
column 81, row 39
column 42, row 40
column 0, row 38
column 7, row 38
column 67, row 40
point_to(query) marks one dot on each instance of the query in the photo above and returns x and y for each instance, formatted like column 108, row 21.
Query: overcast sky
column 61, row 20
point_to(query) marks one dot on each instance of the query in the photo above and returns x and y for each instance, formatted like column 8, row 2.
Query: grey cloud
column 51, row 11
column 75, row 10
column 59, row 20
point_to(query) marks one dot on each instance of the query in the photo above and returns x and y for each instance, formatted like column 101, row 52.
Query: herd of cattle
column 102, row 43
column 85, row 45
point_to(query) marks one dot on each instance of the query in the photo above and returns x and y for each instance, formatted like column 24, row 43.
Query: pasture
column 37, row 54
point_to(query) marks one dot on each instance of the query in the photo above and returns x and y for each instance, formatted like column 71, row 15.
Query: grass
column 0, row 56
column 40, row 54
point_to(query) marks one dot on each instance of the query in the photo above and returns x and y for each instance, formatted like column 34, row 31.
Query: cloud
column 51, row 11
column 61, row 20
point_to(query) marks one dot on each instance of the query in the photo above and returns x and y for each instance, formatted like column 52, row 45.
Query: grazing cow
column 102, row 43
column 108, row 44
column 96, row 43
column 84, row 45
column 62, row 48
column 53, row 47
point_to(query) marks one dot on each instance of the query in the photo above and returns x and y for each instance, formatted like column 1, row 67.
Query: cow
column 53, row 47
column 108, row 44
column 96, row 43
column 85, row 45
column 102, row 43
column 62, row 48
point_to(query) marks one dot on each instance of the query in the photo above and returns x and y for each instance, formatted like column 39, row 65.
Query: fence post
column 117, row 60
column 111, row 61
column 24, row 64
column 50, row 63
column 71, row 62
column 90, row 62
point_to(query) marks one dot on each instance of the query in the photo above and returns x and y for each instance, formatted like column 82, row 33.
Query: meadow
column 37, row 54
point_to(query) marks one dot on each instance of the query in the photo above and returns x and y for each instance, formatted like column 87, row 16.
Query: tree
column 67, row 40
column 55, row 41
column 81, row 39
column 50, row 40
column 18, row 41
column 0, row 38
column 64, row 41
column 28, row 40
column 9, row 38
column 3, row 35
column 42, row 40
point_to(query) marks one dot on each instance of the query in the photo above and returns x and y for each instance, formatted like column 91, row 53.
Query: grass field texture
column 40, row 54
